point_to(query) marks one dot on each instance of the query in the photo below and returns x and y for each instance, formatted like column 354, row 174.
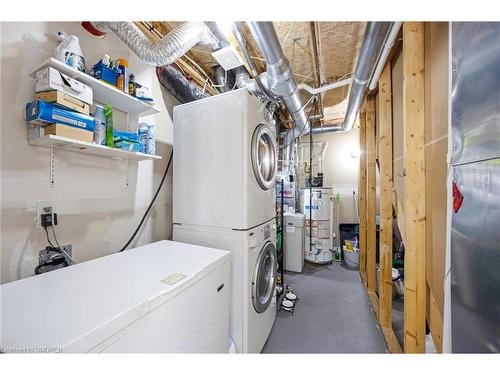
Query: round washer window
column 264, row 156
column 264, row 278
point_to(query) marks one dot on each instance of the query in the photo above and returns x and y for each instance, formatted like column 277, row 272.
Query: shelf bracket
column 52, row 168
column 126, row 174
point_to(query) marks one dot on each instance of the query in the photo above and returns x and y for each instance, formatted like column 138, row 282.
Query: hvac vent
column 228, row 57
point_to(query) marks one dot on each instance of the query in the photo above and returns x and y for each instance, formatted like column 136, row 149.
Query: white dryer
column 253, row 278
column 225, row 162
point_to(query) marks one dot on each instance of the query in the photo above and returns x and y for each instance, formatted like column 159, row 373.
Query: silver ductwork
column 320, row 145
column 169, row 48
column 242, row 79
column 280, row 79
column 376, row 34
column 220, row 76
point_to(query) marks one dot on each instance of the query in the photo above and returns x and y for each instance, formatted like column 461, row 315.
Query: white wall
column 97, row 211
column 341, row 170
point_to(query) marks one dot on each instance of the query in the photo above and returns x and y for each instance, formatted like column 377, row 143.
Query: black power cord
column 48, row 239
column 150, row 205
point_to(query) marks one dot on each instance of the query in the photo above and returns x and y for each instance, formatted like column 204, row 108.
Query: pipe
column 280, row 79
column 242, row 79
column 376, row 34
column 323, row 88
column 321, row 154
column 263, row 90
column 393, row 34
column 168, row 49
column 220, row 76
column 178, row 85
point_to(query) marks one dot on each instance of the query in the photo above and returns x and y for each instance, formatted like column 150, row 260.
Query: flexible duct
column 280, row 79
column 169, row 48
column 178, row 85
column 376, row 34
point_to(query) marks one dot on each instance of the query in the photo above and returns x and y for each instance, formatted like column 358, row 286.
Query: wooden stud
column 374, row 302
column 386, row 185
column 390, row 338
column 371, row 242
column 391, row 341
column 435, row 320
column 362, row 195
column 414, row 156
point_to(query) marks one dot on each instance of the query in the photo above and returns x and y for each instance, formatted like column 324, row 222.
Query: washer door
column 264, row 156
column 264, row 278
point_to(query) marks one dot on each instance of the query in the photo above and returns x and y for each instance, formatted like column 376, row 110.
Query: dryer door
column 264, row 156
column 264, row 278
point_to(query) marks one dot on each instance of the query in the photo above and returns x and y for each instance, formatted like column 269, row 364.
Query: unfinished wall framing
column 411, row 136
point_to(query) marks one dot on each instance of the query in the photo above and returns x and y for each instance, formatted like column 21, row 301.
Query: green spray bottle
column 108, row 115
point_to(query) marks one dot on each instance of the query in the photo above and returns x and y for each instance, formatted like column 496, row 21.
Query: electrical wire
column 48, row 239
column 150, row 205
column 60, row 247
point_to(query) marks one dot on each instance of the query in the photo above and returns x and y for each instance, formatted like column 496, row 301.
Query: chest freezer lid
column 77, row 307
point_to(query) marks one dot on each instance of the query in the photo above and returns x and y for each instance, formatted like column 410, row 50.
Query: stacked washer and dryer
column 225, row 161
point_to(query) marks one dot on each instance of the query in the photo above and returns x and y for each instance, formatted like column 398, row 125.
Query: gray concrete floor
column 333, row 315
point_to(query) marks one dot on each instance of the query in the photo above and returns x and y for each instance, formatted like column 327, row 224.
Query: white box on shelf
column 50, row 78
column 102, row 92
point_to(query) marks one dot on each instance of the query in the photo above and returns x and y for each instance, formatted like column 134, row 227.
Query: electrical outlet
column 44, row 208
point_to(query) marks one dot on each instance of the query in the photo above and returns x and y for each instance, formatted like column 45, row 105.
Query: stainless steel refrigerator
column 475, row 216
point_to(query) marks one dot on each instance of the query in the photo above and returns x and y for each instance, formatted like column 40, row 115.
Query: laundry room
column 315, row 184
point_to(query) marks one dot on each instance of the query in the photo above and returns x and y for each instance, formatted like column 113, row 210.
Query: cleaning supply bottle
column 119, row 82
column 151, row 140
column 69, row 51
column 100, row 125
column 131, row 85
column 122, row 66
column 108, row 114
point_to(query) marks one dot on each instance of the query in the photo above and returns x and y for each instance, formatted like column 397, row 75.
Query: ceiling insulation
column 338, row 46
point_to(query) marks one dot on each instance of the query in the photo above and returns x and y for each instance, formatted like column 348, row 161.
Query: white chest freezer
column 162, row 297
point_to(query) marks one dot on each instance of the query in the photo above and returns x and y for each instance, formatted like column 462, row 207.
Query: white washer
column 253, row 278
column 225, row 162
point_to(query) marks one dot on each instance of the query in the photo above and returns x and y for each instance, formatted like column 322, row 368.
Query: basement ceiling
column 338, row 44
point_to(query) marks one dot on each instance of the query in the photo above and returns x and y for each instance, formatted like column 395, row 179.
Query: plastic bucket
column 351, row 258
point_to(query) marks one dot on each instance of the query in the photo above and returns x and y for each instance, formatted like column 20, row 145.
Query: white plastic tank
column 318, row 245
column 294, row 242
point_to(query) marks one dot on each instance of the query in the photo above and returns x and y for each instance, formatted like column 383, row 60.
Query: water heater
column 316, row 205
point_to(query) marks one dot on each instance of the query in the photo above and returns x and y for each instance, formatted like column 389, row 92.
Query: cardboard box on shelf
column 36, row 131
column 44, row 113
column 63, row 99
column 48, row 79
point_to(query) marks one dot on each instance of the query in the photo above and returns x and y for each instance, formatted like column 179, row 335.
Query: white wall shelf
column 103, row 92
column 68, row 144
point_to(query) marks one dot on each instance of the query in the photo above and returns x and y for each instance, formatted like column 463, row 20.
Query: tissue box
column 43, row 113
column 64, row 100
column 36, row 131
column 48, row 79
